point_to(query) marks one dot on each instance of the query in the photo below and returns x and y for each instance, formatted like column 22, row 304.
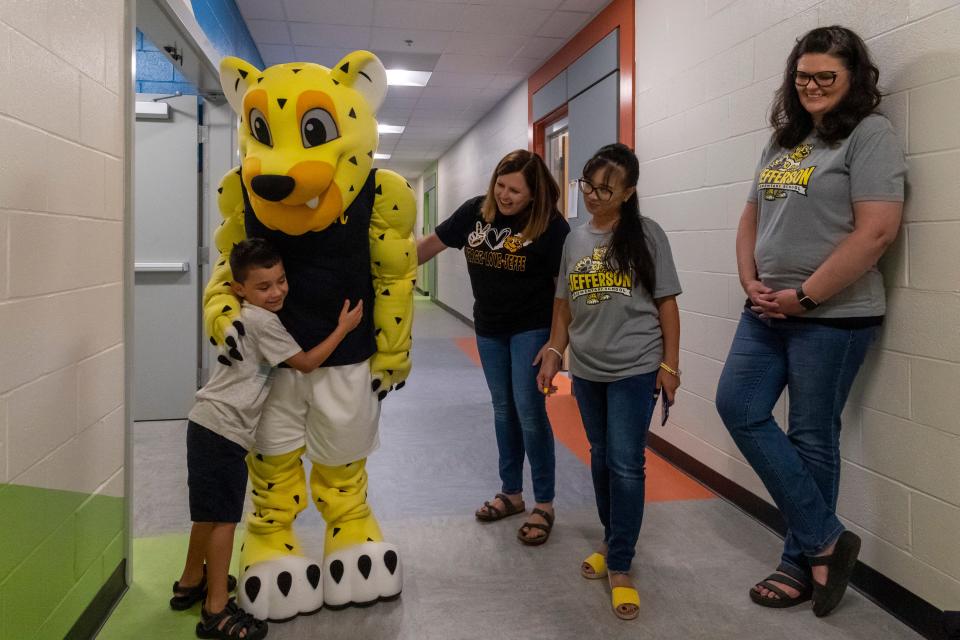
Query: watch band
column 806, row 301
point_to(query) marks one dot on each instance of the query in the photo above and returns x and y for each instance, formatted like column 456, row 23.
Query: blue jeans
column 616, row 416
column 519, row 410
column 800, row 468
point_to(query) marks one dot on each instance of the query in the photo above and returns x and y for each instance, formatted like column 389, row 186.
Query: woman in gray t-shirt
column 616, row 308
column 826, row 203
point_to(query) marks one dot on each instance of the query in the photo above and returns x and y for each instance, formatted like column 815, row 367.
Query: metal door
column 429, row 224
column 167, row 286
column 593, row 117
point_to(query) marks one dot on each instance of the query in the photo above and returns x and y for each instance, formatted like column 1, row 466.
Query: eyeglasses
column 587, row 187
column 820, row 78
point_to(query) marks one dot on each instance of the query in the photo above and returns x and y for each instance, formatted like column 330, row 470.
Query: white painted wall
column 464, row 172
column 61, row 245
column 706, row 72
column 62, row 384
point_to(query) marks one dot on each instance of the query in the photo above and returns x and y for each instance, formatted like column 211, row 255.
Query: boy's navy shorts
column 216, row 475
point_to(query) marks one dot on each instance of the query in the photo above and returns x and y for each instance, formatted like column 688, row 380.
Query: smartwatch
column 806, row 301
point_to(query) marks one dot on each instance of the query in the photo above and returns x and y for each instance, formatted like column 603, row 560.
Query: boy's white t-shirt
column 231, row 401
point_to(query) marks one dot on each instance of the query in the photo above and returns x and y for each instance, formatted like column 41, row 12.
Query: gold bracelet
column 556, row 351
column 669, row 369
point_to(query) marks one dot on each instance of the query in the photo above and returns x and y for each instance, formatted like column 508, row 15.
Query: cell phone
column 665, row 410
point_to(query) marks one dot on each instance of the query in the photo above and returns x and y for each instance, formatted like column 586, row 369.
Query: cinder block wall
column 61, row 309
column 706, row 72
column 464, row 172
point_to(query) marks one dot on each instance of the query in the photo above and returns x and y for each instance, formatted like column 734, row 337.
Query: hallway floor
column 696, row 559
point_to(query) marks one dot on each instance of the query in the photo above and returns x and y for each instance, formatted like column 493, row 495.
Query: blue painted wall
column 223, row 25
column 155, row 72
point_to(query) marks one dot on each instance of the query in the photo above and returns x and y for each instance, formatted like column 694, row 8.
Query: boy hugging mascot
column 307, row 136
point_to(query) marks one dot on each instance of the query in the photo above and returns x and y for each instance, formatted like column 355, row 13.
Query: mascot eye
column 317, row 127
column 259, row 128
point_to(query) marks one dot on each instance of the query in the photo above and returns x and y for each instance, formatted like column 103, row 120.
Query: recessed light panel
column 404, row 78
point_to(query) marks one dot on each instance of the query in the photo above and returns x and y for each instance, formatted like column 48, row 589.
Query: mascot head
column 307, row 136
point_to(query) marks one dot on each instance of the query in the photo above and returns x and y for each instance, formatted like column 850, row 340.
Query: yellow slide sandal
column 626, row 602
column 594, row 567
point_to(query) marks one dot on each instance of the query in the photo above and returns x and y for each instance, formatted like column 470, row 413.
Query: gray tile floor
column 463, row 579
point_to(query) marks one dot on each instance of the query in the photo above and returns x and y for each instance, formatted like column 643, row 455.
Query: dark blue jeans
column 800, row 468
column 616, row 416
column 519, row 410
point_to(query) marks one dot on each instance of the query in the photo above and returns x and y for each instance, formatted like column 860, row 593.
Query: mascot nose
column 273, row 188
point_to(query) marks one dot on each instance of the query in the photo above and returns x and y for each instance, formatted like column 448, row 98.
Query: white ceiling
column 478, row 50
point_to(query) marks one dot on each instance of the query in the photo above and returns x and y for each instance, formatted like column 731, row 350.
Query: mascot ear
column 236, row 76
column 363, row 71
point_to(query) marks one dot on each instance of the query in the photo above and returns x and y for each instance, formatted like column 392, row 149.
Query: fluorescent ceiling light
column 381, row 156
column 404, row 78
column 390, row 128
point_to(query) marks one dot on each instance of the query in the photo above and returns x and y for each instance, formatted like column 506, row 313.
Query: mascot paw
column 282, row 588
column 230, row 343
column 362, row 575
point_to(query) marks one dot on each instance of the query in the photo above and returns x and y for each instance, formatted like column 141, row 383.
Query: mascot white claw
column 362, row 575
column 287, row 587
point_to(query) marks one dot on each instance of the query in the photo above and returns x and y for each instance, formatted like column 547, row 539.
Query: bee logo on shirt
column 513, row 243
column 591, row 278
column 785, row 173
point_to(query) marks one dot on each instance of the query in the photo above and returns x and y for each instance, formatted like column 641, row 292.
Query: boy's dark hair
column 252, row 253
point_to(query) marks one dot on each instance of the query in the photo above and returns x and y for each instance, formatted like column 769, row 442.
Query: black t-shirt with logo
column 512, row 278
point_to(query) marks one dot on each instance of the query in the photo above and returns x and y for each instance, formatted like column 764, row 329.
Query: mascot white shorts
column 332, row 410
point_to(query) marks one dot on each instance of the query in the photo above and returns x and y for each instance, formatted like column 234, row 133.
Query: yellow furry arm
column 221, row 308
column 393, row 253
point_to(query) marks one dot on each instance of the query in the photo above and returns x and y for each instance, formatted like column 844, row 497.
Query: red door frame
column 618, row 14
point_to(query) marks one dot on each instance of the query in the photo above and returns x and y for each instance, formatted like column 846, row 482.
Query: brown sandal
column 527, row 526
column 495, row 513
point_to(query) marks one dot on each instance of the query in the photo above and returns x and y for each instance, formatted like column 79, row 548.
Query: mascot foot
column 362, row 575
column 281, row 589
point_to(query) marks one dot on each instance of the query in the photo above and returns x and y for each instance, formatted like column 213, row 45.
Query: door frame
column 163, row 20
column 619, row 14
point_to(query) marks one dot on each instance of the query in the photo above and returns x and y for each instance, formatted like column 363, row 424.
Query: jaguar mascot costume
column 307, row 137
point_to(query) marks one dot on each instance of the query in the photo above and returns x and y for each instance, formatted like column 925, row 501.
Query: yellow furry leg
column 279, row 495
column 341, row 496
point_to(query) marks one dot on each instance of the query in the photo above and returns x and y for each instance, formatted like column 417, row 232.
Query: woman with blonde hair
column 512, row 239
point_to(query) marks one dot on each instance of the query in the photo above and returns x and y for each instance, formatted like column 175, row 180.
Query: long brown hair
column 790, row 121
column 543, row 188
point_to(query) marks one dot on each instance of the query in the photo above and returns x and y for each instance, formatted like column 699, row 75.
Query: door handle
column 161, row 267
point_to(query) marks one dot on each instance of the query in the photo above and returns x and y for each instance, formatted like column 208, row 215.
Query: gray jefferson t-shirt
column 231, row 401
column 805, row 199
column 615, row 325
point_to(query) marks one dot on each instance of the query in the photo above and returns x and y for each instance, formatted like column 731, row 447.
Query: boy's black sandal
column 233, row 623
column 785, row 575
column 840, row 565
column 184, row 598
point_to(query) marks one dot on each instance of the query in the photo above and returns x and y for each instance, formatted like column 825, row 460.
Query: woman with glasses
column 512, row 238
column 825, row 205
column 616, row 307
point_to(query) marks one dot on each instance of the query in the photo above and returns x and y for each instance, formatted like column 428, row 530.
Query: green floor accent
column 144, row 611
column 52, row 550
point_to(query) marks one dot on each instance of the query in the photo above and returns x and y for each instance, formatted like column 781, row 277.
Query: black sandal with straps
column 527, row 526
column 185, row 597
column 840, row 565
column 233, row 623
column 785, row 575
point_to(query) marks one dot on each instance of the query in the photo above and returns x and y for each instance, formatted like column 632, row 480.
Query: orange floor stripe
column 664, row 481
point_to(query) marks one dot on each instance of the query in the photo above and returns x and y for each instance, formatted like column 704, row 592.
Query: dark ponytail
column 628, row 250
